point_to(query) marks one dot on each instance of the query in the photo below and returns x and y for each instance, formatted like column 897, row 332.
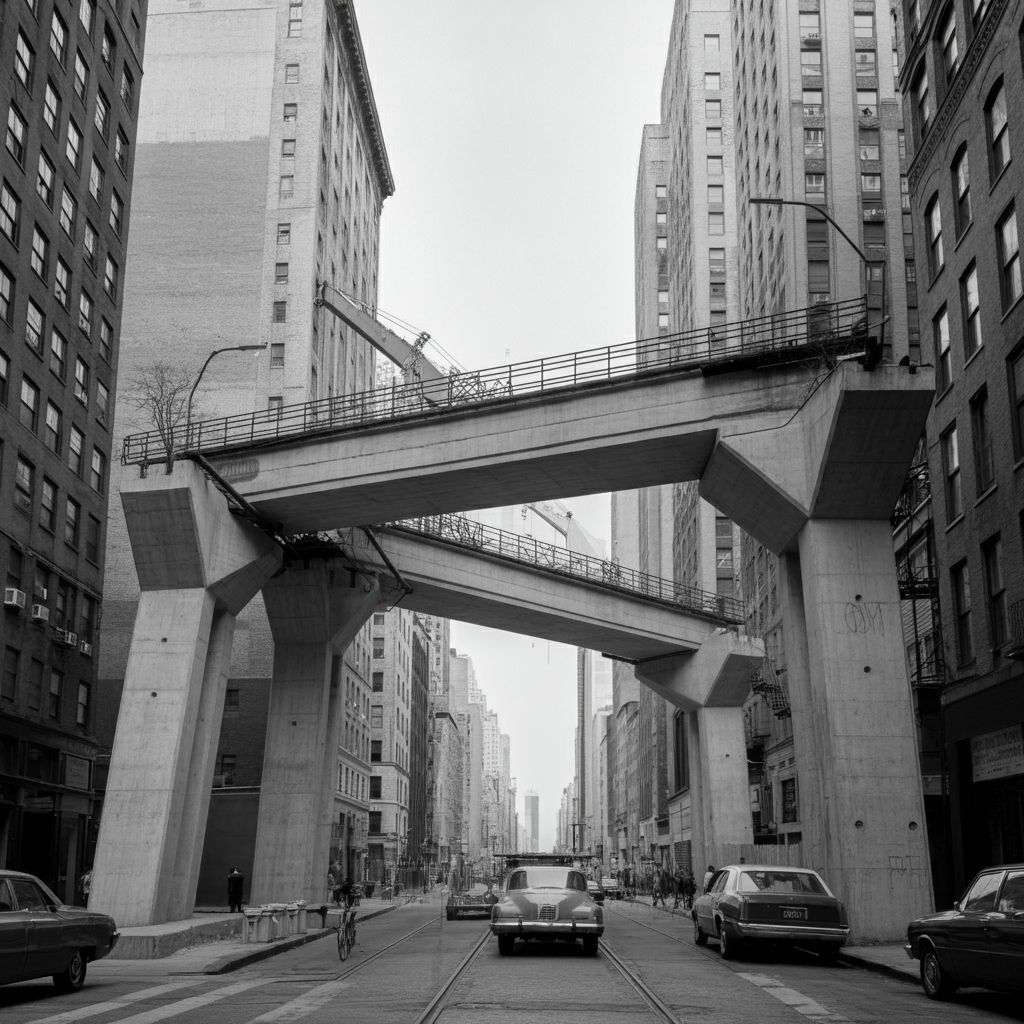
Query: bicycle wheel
column 343, row 943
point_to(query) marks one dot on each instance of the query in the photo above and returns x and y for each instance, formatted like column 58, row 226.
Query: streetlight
column 766, row 201
column 215, row 352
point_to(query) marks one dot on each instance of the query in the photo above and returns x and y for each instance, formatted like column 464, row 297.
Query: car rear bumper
column 747, row 931
column 554, row 929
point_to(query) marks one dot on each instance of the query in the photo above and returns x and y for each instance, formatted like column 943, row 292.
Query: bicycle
column 346, row 933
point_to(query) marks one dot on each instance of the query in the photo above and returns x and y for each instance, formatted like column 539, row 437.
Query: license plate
column 794, row 913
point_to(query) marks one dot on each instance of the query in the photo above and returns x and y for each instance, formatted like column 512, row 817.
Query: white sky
column 513, row 128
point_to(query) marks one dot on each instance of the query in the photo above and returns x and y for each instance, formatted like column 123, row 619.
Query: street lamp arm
column 812, row 206
column 199, row 376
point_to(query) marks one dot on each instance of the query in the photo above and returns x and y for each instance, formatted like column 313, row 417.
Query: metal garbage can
column 250, row 924
column 302, row 924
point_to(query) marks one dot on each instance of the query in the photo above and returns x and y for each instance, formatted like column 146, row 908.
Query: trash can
column 250, row 924
column 263, row 925
column 291, row 920
column 302, row 923
column 277, row 920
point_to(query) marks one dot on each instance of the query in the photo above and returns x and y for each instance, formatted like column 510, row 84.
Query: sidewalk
column 890, row 959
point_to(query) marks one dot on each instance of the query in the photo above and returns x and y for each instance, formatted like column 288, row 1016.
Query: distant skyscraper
column 532, row 821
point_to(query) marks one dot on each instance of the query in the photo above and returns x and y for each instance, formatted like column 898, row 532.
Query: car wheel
column 450, row 914
column 726, row 946
column 506, row 943
column 700, row 937
column 829, row 952
column 590, row 945
column 936, row 982
column 73, row 977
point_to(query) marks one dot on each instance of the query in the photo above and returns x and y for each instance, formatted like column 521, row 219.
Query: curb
column 876, row 968
column 227, row 964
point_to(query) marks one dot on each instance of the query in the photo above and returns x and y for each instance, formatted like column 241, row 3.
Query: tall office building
column 253, row 188
column 71, row 101
column 531, row 804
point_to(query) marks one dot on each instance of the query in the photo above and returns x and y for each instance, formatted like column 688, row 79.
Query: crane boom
column 407, row 355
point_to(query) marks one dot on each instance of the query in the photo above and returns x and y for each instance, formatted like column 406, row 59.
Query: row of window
column 67, row 608
column 29, row 675
column 814, row 102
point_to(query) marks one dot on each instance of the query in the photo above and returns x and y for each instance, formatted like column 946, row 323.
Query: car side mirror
column 1018, row 915
column 956, row 905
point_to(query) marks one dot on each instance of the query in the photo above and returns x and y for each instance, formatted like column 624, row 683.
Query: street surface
column 551, row 985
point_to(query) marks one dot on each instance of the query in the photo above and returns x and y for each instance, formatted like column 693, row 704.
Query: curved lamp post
column 199, row 377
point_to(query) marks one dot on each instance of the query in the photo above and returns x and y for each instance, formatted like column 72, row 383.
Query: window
column 40, row 258
column 867, row 102
column 713, row 137
column 9, row 682
column 716, row 194
column 35, row 327
column 984, row 469
column 1016, row 368
column 28, row 413
column 375, row 783
column 280, row 314
column 110, row 276
column 76, row 445
column 17, row 132
column 53, row 431
column 59, row 38
column 818, row 281
column 81, row 380
column 814, row 188
column 72, row 522
column 790, row 810
column 716, row 223
column 962, row 605
column 6, row 310
column 1009, row 258
column 291, row 112
column 971, row 311
column 716, row 263
column 287, row 147
column 284, row 234
column 73, row 149
column 24, row 61
column 978, row 9
column 375, row 753
column 291, row 74
column 102, row 401
column 102, row 116
column 277, row 354
column 951, row 472
column 712, row 81
column 275, row 403
column 108, row 50
column 294, row 20
column 817, row 232
column 24, row 484
column 922, row 100
column 82, row 712
column 712, row 44
column 85, row 313
column 715, row 166
column 866, row 63
column 871, row 185
column 96, row 181
column 92, row 542
column 106, row 338
column 998, row 131
column 45, row 180
column 712, row 109
column 962, row 190
column 56, row 686
column 950, row 52
column 89, row 245
column 287, row 186
column 10, row 213
column 48, row 505
column 810, row 62
column 98, row 471
column 943, row 369
column 813, row 103
column 863, row 26
column 814, row 143
column 81, row 76
column 51, row 108
column 87, row 14
column 810, row 26
column 116, row 212
column 127, row 89
column 869, row 143
column 121, row 151
column 933, row 225
column 68, row 212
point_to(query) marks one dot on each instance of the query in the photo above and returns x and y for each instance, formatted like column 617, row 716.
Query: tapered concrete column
column 314, row 612
column 712, row 685
column 198, row 565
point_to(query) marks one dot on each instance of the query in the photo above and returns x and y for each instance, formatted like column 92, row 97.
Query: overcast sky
column 513, row 128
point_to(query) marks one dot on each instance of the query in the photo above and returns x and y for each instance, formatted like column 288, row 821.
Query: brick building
column 71, row 101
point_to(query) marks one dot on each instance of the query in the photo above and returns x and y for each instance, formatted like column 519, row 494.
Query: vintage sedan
column 980, row 942
column 767, row 904
column 546, row 902
column 41, row 937
column 611, row 888
column 470, row 901
column 595, row 890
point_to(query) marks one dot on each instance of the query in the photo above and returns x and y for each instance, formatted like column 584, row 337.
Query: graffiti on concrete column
column 865, row 617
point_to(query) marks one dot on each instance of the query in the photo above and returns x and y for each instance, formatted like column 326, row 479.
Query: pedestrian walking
column 235, row 882
column 708, row 875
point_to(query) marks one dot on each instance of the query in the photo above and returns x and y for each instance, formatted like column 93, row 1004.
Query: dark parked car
column 41, row 937
column 979, row 942
column 611, row 888
column 764, row 903
column 595, row 890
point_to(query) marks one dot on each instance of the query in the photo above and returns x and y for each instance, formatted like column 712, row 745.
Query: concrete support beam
column 315, row 613
column 198, row 566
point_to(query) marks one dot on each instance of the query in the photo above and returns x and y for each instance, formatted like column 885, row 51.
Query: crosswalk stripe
column 68, row 1016
column 304, row 1004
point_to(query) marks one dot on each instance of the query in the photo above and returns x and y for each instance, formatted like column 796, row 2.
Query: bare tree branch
column 160, row 391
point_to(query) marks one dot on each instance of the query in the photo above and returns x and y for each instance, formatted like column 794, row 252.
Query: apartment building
column 71, row 100
column 531, row 817
column 962, row 79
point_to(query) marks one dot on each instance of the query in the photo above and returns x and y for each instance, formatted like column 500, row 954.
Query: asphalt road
column 551, row 985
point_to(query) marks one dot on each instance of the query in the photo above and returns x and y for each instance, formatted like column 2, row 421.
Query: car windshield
column 780, row 881
column 547, row 878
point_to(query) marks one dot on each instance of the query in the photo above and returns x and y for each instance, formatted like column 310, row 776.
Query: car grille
column 547, row 913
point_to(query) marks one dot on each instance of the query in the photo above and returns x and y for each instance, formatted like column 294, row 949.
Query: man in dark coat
column 235, row 880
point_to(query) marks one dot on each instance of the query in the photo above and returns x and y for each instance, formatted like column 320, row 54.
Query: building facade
column 71, row 100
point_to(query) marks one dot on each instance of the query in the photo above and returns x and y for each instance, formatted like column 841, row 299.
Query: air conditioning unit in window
column 14, row 598
column 85, row 647
column 66, row 637
column 40, row 613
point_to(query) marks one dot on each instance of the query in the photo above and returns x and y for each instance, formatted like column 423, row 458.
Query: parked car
column 42, row 937
column 595, row 890
column 764, row 903
column 979, row 942
column 546, row 902
column 611, row 888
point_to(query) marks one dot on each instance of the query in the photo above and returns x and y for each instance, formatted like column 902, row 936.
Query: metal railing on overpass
column 825, row 330
column 468, row 534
